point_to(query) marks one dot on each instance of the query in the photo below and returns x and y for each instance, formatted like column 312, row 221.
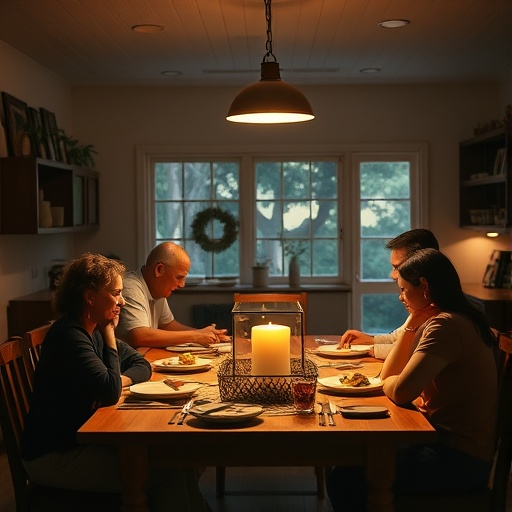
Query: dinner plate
column 172, row 364
column 333, row 351
column 333, row 384
column 195, row 347
column 364, row 411
column 157, row 389
column 226, row 412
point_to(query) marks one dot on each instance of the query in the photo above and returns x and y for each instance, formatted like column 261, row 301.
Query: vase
column 45, row 214
column 260, row 277
column 294, row 272
column 3, row 142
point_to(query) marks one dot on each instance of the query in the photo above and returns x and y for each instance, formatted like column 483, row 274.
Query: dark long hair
column 444, row 287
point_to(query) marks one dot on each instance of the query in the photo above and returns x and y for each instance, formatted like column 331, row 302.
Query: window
column 388, row 195
column 306, row 200
column 297, row 214
column 183, row 189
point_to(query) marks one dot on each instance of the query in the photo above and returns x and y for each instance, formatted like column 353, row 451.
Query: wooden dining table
column 144, row 438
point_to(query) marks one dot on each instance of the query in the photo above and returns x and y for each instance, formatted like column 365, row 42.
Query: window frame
column 348, row 216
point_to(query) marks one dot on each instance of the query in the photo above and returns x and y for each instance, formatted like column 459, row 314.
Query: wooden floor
column 247, row 490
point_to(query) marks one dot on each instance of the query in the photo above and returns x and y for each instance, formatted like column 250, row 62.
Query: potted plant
column 76, row 153
column 260, row 271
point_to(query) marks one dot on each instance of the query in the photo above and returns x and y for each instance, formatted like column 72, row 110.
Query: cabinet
column 495, row 303
column 28, row 312
column 72, row 188
column 485, row 182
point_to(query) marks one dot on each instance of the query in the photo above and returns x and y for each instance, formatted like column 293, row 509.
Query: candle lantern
column 268, row 352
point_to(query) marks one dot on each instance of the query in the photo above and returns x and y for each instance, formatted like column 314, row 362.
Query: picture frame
column 17, row 122
column 49, row 124
column 38, row 139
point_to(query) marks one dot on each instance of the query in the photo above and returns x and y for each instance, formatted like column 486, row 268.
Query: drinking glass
column 304, row 391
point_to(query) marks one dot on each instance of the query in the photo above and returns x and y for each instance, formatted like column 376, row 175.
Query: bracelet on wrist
column 412, row 329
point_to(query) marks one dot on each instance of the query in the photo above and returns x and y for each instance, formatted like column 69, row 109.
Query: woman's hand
column 108, row 332
column 418, row 317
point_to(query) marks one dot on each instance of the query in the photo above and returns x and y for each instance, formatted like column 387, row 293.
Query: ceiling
column 222, row 42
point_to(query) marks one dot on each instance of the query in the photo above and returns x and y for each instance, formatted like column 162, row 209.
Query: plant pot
column 294, row 273
column 260, row 277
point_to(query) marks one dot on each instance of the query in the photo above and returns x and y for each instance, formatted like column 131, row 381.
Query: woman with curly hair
column 83, row 367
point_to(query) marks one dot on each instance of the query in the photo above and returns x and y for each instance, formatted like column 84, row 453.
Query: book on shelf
column 499, row 162
column 498, row 273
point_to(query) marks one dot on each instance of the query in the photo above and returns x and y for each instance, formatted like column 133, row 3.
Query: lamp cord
column 268, row 18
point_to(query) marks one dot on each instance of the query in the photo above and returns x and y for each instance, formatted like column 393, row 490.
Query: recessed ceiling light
column 369, row 71
column 393, row 23
column 148, row 29
column 171, row 72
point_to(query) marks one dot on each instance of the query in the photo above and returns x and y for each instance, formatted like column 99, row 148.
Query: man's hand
column 355, row 337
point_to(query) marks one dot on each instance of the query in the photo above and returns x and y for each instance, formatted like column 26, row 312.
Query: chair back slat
column 16, row 389
column 34, row 341
column 504, row 452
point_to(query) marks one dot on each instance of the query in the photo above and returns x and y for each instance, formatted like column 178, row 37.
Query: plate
column 226, row 412
column 333, row 384
column 364, row 411
column 195, row 347
column 332, row 351
column 171, row 364
column 157, row 389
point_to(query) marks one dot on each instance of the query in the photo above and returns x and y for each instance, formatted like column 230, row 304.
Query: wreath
column 229, row 235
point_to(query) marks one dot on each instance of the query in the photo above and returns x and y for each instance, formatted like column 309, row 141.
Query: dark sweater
column 76, row 374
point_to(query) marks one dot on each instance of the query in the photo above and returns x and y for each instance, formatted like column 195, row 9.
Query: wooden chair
column 34, row 342
column 493, row 498
column 274, row 297
column 15, row 393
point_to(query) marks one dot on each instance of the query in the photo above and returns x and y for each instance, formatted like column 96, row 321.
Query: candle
column 270, row 349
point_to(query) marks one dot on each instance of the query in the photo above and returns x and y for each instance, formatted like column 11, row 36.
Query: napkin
column 146, row 404
column 132, row 402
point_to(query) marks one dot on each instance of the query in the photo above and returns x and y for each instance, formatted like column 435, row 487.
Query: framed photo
column 17, row 123
column 51, row 133
column 39, row 142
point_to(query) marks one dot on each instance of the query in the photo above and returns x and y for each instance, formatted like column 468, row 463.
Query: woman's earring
column 425, row 295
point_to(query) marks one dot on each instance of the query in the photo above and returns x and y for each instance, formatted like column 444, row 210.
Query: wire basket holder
column 236, row 384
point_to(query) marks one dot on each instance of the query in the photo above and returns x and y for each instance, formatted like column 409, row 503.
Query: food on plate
column 174, row 383
column 354, row 379
column 187, row 358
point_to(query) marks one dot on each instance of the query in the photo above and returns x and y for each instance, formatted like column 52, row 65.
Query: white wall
column 118, row 119
column 25, row 256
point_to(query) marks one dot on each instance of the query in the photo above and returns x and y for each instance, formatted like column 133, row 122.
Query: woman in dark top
column 83, row 367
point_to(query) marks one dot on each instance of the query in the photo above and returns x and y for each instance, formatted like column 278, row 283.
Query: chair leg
column 320, row 482
column 220, row 481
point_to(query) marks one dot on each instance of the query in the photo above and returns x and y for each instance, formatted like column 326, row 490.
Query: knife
column 220, row 407
column 334, row 409
column 319, row 411
column 184, row 411
column 328, row 413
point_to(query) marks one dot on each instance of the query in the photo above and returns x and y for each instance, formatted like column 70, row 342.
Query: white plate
column 333, row 351
column 155, row 389
column 195, row 347
column 333, row 384
column 172, row 364
column 364, row 411
column 233, row 413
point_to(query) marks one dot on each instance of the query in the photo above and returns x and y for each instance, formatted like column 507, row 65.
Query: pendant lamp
column 270, row 101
